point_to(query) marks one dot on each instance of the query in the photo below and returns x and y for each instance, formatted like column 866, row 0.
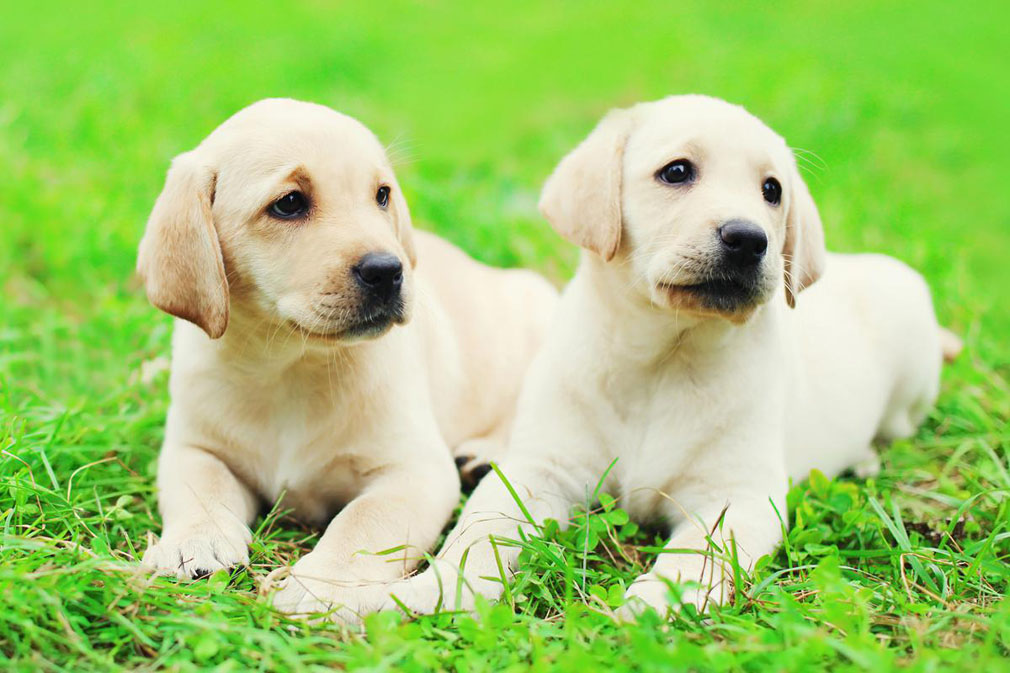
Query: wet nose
column 743, row 243
column 380, row 274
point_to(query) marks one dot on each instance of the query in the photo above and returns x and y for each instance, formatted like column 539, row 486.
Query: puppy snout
column 743, row 243
column 380, row 274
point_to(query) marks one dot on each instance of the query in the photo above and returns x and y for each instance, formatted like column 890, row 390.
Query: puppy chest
column 665, row 448
column 296, row 451
column 308, row 462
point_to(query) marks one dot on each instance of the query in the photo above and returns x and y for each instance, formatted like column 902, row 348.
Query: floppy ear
column 404, row 229
column 582, row 197
column 803, row 251
column 180, row 255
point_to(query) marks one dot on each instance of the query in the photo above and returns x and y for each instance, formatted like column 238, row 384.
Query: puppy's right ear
column 180, row 255
column 582, row 197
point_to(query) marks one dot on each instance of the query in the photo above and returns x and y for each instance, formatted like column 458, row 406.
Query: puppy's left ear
column 582, row 197
column 803, row 251
column 402, row 225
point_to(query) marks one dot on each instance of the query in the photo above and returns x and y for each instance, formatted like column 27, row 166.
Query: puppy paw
column 315, row 600
column 316, row 590
column 474, row 458
column 650, row 592
column 868, row 466
column 307, row 593
column 198, row 552
column 471, row 471
column 311, row 598
column 646, row 593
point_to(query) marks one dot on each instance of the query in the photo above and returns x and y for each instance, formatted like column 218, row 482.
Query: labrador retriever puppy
column 682, row 363
column 311, row 362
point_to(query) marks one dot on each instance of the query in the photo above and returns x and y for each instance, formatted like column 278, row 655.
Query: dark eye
column 382, row 196
column 676, row 172
column 290, row 206
column 772, row 191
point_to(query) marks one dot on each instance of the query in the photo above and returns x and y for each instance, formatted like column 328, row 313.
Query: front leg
column 479, row 550
column 556, row 452
column 469, row 564
column 206, row 512
column 403, row 509
column 729, row 521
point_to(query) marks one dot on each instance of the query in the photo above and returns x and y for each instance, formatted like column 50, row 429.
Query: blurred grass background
column 899, row 110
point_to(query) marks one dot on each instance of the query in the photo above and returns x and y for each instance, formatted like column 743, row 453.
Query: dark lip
column 373, row 325
column 714, row 286
column 724, row 295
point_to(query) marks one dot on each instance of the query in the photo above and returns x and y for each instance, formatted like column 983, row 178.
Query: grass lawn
column 901, row 113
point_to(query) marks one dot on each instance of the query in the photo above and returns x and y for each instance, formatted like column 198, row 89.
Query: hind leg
column 868, row 465
column 900, row 422
column 474, row 456
column 903, row 420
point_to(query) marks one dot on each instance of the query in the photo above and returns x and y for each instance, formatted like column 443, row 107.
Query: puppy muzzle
column 736, row 279
column 379, row 278
column 728, row 292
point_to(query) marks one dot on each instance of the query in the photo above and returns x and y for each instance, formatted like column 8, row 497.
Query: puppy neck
column 264, row 347
column 639, row 331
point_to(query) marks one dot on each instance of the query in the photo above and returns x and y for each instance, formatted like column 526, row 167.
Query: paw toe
column 194, row 557
column 472, row 474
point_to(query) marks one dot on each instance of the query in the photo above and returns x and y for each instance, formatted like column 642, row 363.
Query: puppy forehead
column 275, row 134
column 701, row 128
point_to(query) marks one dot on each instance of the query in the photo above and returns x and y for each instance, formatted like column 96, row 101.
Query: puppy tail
column 950, row 344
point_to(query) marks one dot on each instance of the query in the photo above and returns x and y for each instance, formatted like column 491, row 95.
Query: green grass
column 901, row 108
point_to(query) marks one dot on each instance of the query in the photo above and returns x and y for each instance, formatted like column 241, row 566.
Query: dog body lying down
column 316, row 364
column 676, row 355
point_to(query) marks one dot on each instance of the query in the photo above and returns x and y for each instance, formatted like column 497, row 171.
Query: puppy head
column 696, row 203
column 290, row 211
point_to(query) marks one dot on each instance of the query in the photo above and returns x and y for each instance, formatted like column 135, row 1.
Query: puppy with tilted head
column 311, row 361
column 683, row 362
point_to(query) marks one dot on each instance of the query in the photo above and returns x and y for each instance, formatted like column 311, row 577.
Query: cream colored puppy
column 681, row 355
column 311, row 362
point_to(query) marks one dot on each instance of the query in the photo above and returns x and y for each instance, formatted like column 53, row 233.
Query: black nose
column 743, row 243
column 380, row 274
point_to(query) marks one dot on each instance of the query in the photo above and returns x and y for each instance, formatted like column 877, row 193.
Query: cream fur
column 708, row 414
column 271, row 395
